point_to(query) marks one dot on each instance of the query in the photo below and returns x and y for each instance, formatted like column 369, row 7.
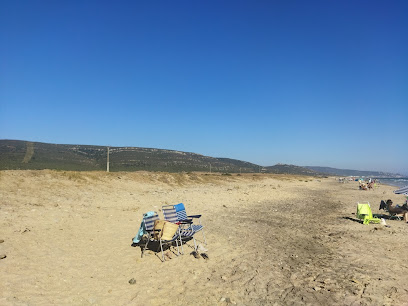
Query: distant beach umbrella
column 403, row 190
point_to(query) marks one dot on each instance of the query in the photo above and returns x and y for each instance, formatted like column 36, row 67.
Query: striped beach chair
column 149, row 226
column 186, row 229
column 182, row 215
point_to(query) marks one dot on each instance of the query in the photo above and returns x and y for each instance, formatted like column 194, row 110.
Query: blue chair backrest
column 180, row 211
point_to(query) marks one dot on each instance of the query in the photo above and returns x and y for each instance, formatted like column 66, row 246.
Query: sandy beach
column 272, row 240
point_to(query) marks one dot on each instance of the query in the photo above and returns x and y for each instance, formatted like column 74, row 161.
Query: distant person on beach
column 403, row 210
column 405, row 206
column 363, row 186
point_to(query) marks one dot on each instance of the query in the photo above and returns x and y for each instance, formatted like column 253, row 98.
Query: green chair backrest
column 364, row 209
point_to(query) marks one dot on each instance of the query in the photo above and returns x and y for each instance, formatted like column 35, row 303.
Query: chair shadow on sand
column 154, row 246
column 352, row 219
column 387, row 217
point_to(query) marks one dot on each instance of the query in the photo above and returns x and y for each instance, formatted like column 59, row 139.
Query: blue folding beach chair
column 181, row 216
column 186, row 229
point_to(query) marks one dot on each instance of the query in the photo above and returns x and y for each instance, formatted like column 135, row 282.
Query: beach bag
column 158, row 229
column 169, row 229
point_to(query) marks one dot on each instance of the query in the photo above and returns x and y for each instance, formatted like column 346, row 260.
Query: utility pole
column 107, row 162
column 210, row 167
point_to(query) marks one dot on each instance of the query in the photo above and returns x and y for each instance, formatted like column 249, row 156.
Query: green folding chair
column 364, row 213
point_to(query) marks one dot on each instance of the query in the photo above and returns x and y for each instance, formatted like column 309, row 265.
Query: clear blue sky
column 301, row 82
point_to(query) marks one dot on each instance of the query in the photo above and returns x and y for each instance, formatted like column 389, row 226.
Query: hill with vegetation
column 291, row 169
column 18, row 154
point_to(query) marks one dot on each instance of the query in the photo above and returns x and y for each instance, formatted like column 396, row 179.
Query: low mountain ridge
column 17, row 154
column 291, row 169
column 348, row 172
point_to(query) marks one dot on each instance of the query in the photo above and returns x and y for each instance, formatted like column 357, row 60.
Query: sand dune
column 280, row 240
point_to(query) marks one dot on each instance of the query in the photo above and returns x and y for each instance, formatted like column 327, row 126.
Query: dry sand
column 272, row 240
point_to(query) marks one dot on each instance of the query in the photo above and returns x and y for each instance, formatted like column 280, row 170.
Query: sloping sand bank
column 280, row 240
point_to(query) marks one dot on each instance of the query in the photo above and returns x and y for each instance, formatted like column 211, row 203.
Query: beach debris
column 26, row 230
column 169, row 255
column 1, row 240
column 132, row 281
column 201, row 249
column 227, row 300
column 2, row 256
column 195, row 254
column 205, row 256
